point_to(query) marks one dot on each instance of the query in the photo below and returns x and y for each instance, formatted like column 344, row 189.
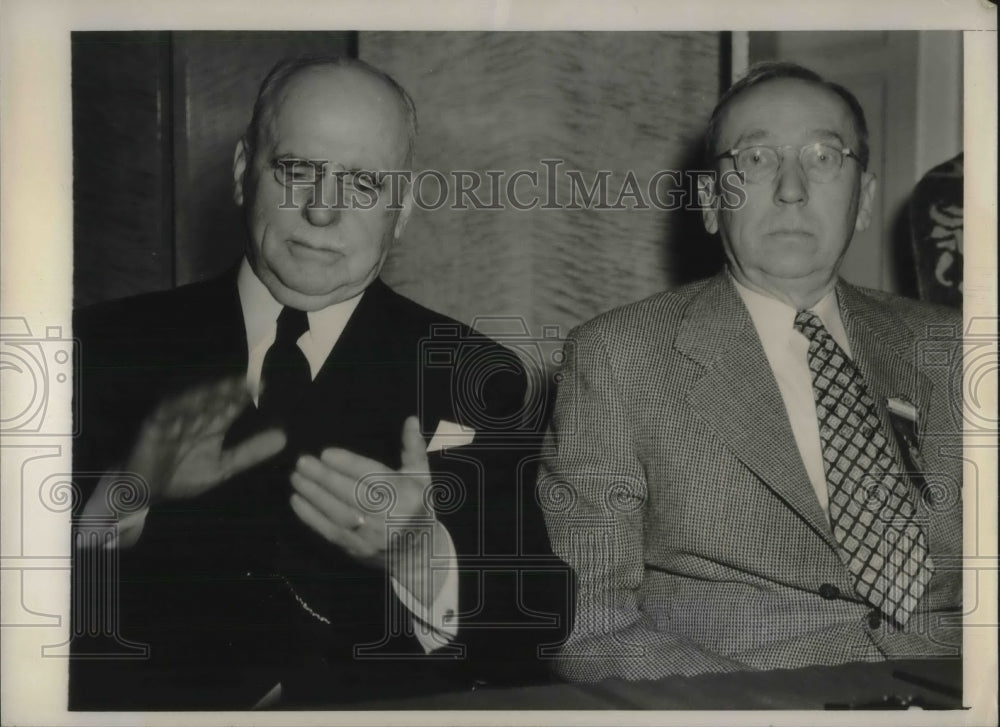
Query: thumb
column 414, row 456
column 253, row 451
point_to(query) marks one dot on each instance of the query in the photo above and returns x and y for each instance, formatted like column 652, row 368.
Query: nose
column 790, row 182
column 324, row 207
column 320, row 214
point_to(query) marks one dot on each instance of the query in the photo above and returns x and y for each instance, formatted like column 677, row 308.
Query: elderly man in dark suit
column 317, row 498
column 753, row 471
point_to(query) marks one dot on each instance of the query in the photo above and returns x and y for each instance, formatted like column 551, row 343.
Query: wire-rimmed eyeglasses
column 821, row 162
column 303, row 173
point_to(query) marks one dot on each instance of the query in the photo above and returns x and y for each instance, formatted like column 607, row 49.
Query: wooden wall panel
column 505, row 101
column 121, row 167
column 156, row 117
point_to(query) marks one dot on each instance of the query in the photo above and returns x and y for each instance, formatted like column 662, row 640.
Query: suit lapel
column 738, row 397
column 884, row 349
column 230, row 333
column 363, row 339
column 368, row 384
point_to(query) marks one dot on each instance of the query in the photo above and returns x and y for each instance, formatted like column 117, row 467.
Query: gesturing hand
column 179, row 450
column 326, row 499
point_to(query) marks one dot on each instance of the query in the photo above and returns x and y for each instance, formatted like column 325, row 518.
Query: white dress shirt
column 260, row 318
column 436, row 625
column 787, row 352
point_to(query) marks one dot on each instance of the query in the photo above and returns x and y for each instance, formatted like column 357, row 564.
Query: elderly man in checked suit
column 753, row 471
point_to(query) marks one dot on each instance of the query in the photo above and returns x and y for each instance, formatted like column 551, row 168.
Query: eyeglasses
column 822, row 163
column 304, row 173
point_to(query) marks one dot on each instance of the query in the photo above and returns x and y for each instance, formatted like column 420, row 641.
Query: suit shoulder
column 660, row 312
column 915, row 314
column 451, row 351
column 159, row 308
column 425, row 323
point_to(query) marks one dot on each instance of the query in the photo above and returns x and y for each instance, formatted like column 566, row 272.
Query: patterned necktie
column 285, row 374
column 882, row 546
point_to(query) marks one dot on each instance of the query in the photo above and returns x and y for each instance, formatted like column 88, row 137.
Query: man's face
column 790, row 236
column 313, row 255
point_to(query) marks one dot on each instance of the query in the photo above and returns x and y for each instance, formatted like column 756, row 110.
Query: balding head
column 343, row 76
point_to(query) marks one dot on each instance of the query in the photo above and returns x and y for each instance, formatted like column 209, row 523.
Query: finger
column 195, row 401
column 358, row 473
column 181, row 399
column 355, row 479
column 332, row 532
column 251, row 452
column 351, row 465
column 234, row 386
column 173, row 428
column 414, row 455
column 334, row 509
column 225, row 414
column 407, row 498
column 212, row 409
column 197, row 406
column 160, row 414
column 228, row 393
column 338, row 484
column 199, row 425
column 165, row 421
column 235, row 408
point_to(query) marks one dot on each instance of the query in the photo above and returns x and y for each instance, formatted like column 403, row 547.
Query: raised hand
column 179, row 450
column 326, row 498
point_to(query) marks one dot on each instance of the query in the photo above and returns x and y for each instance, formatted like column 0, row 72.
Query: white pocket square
column 902, row 407
column 450, row 434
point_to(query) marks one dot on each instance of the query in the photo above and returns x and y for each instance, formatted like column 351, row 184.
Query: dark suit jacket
column 233, row 593
column 678, row 495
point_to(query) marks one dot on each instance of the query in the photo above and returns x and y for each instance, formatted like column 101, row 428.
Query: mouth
column 300, row 248
column 790, row 233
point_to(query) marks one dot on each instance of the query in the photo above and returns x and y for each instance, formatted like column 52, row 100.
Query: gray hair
column 770, row 70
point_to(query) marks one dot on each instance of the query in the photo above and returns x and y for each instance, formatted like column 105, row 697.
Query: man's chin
column 308, row 295
column 793, row 267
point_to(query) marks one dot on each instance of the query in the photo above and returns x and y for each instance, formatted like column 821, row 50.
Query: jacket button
column 874, row 619
column 829, row 591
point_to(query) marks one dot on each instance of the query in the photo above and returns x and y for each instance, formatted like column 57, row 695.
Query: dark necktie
column 285, row 374
column 882, row 546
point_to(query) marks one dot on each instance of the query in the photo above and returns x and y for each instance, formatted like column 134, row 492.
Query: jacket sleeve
column 594, row 493
column 515, row 596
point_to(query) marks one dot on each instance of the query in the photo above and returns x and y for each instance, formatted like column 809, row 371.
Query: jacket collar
column 738, row 397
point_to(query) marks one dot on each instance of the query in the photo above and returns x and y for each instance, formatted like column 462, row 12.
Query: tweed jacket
column 675, row 490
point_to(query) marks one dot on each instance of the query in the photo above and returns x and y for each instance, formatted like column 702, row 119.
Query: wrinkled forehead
column 786, row 111
column 343, row 115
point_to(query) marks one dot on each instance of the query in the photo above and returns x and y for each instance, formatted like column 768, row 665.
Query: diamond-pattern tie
column 285, row 374
column 872, row 516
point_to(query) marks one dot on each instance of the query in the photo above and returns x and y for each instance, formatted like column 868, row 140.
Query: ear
column 865, row 201
column 708, row 200
column 404, row 213
column 240, row 156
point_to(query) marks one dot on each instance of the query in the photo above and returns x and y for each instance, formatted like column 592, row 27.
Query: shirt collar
column 774, row 319
column 260, row 315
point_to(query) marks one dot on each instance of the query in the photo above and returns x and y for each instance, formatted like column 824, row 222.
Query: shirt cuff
column 437, row 625
column 128, row 526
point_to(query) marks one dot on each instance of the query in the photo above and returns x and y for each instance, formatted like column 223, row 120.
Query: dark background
column 156, row 116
